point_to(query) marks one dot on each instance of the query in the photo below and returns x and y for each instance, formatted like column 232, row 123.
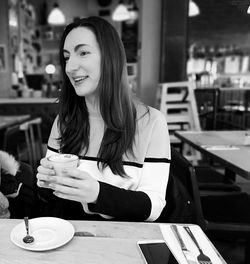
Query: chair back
column 33, row 137
column 36, row 138
column 184, row 171
column 179, row 105
column 11, row 139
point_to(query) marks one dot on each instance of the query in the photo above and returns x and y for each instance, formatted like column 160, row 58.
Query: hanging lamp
column 133, row 11
column 56, row 16
column 121, row 12
column 248, row 10
column 193, row 9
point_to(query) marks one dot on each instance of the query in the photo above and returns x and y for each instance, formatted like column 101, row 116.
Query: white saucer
column 49, row 233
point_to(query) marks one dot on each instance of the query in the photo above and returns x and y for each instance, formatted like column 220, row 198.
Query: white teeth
column 79, row 79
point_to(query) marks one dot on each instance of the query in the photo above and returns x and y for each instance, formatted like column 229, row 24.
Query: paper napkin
column 205, row 244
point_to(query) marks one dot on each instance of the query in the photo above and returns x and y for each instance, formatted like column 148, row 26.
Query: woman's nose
column 72, row 64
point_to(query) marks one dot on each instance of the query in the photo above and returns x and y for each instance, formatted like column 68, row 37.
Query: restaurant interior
column 190, row 59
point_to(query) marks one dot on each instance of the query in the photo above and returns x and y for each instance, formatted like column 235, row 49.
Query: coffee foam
column 63, row 158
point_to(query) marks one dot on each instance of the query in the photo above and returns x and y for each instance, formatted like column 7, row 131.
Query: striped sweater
column 141, row 195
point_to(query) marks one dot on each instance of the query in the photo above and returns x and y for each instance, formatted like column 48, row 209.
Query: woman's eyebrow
column 76, row 48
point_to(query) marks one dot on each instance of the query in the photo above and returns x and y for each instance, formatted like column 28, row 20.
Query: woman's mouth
column 79, row 80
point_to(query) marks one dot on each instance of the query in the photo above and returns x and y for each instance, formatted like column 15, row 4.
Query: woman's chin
column 79, row 91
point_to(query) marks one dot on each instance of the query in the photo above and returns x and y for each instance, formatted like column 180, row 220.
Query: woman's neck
column 93, row 106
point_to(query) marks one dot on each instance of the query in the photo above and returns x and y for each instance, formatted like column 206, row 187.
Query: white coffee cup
column 61, row 162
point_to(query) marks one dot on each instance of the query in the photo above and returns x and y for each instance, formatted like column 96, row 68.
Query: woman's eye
column 66, row 59
column 83, row 53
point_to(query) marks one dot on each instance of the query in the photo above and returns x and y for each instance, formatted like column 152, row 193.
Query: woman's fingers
column 45, row 173
column 45, row 170
column 45, row 177
column 77, row 174
column 65, row 189
column 45, row 163
column 74, row 184
column 67, row 181
column 43, row 184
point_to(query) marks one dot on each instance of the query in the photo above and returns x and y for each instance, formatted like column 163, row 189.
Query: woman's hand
column 45, row 173
column 74, row 185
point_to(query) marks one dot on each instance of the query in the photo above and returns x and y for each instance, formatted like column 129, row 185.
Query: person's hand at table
column 74, row 185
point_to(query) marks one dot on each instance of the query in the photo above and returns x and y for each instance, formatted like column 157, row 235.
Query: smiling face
column 83, row 61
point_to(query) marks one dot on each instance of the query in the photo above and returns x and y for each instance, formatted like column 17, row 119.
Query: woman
column 123, row 145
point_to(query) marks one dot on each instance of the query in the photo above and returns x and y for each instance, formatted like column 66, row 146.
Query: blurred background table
column 234, row 159
column 9, row 120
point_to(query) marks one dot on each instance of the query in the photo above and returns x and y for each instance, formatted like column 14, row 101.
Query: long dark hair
column 115, row 101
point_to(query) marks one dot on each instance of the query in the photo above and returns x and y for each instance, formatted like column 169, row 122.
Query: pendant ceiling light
column 193, row 9
column 248, row 10
column 133, row 11
column 13, row 20
column 56, row 16
column 121, row 12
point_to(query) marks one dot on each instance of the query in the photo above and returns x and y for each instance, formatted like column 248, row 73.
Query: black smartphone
column 156, row 252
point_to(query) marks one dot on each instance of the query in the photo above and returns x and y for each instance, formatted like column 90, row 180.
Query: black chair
column 181, row 204
column 207, row 104
column 10, row 140
column 24, row 142
column 16, row 141
column 247, row 109
column 212, row 181
column 220, row 216
column 33, row 138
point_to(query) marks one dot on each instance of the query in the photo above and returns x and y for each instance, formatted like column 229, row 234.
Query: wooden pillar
column 149, row 50
column 5, row 70
column 174, row 40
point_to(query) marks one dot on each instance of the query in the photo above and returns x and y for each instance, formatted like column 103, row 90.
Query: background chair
column 33, row 139
column 220, row 216
column 10, row 141
column 247, row 109
column 210, row 181
column 178, row 104
column 181, row 204
column 36, row 140
column 24, row 142
column 207, row 103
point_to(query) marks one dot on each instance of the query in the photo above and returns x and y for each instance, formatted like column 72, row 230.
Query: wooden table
column 115, row 242
column 9, row 120
column 235, row 159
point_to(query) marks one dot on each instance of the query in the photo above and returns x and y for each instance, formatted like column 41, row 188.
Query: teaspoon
column 28, row 238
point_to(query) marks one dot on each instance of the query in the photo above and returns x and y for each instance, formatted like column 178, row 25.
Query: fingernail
column 40, row 183
column 52, row 172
